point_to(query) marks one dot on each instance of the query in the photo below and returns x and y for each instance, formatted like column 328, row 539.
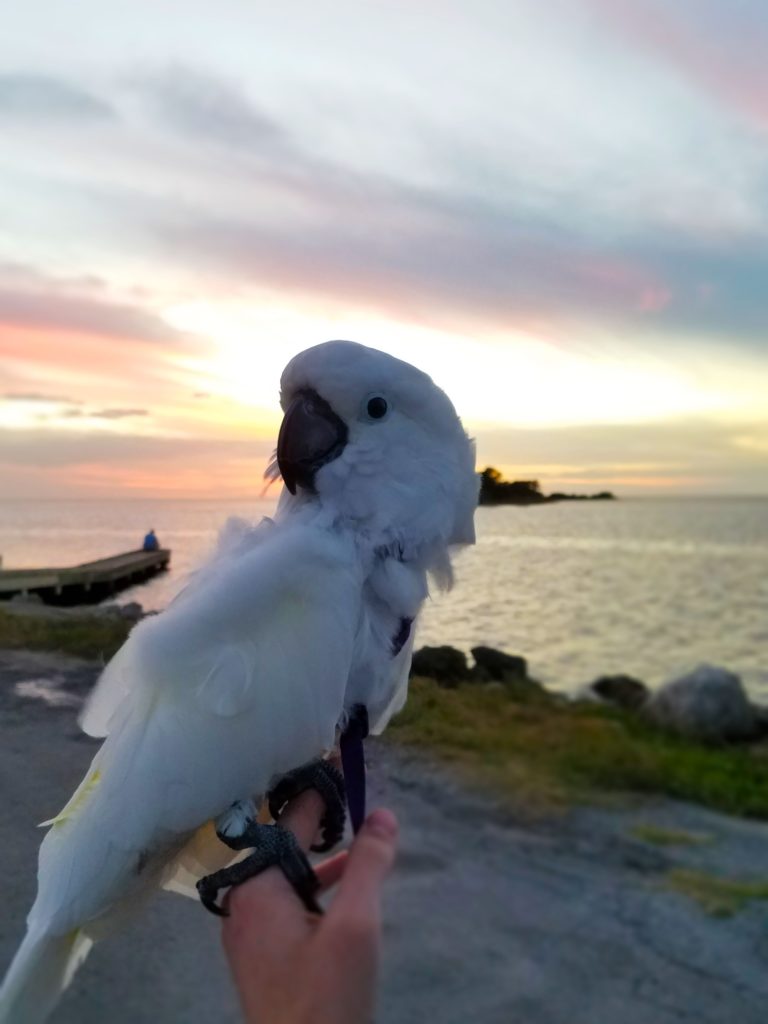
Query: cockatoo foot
column 273, row 846
column 329, row 783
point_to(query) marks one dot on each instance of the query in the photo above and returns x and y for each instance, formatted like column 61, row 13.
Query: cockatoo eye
column 376, row 407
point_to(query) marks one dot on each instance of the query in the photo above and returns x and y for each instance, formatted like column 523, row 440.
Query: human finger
column 370, row 859
column 269, row 897
column 331, row 870
column 302, row 816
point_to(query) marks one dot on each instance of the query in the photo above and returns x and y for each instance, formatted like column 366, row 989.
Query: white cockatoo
column 292, row 628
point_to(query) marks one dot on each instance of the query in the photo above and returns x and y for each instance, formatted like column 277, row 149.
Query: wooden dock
column 88, row 583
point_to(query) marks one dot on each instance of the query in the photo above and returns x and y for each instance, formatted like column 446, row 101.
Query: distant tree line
column 494, row 490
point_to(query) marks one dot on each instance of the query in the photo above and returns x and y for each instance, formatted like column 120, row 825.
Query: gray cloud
column 31, row 299
column 44, row 96
column 46, row 447
column 103, row 414
column 76, row 313
column 208, row 109
column 118, row 414
column 491, row 266
column 38, row 396
column 453, row 255
column 409, row 254
column 455, row 252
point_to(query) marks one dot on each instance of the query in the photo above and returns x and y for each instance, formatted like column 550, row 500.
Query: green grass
column 91, row 637
column 721, row 897
column 658, row 835
column 539, row 751
column 544, row 752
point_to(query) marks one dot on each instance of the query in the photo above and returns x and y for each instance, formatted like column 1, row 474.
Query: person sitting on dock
column 151, row 542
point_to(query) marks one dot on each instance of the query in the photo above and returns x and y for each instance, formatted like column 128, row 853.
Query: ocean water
column 651, row 587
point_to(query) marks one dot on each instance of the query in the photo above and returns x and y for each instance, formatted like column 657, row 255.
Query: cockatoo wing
column 241, row 680
column 236, row 544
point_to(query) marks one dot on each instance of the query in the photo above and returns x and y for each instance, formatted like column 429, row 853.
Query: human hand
column 292, row 967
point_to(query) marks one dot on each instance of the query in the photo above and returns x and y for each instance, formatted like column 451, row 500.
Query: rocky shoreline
column 708, row 704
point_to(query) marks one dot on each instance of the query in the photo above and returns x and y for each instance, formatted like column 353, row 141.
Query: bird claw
column 328, row 781
column 273, row 846
column 208, row 893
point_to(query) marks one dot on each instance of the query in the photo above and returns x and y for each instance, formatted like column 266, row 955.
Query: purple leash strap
column 353, row 764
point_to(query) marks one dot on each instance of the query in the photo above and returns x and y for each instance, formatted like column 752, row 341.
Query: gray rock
column 496, row 665
column 625, row 691
column 131, row 610
column 109, row 611
column 707, row 704
column 447, row 665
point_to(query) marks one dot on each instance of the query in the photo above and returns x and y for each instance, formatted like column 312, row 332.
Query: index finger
column 265, row 912
column 302, row 817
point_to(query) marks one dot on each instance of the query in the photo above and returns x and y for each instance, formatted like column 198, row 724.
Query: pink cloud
column 732, row 69
column 630, row 286
column 652, row 299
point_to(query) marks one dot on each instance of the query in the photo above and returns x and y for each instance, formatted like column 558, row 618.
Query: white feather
column 41, row 970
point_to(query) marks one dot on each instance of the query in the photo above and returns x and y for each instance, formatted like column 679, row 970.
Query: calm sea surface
column 648, row 587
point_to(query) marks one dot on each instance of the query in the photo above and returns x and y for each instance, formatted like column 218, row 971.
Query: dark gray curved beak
column 311, row 435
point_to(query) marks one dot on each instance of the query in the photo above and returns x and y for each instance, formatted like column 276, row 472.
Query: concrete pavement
column 487, row 918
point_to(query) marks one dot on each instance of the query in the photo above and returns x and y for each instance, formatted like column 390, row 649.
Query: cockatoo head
column 377, row 444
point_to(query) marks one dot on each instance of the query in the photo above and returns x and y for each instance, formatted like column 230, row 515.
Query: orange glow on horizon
column 188, row 416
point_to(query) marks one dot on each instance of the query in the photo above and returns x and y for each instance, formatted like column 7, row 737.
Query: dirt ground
column 487, row 918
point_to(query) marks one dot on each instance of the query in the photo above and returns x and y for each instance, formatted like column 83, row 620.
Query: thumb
column 370, row 860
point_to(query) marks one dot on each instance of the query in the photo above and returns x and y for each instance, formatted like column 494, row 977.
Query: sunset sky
column 558, row 210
